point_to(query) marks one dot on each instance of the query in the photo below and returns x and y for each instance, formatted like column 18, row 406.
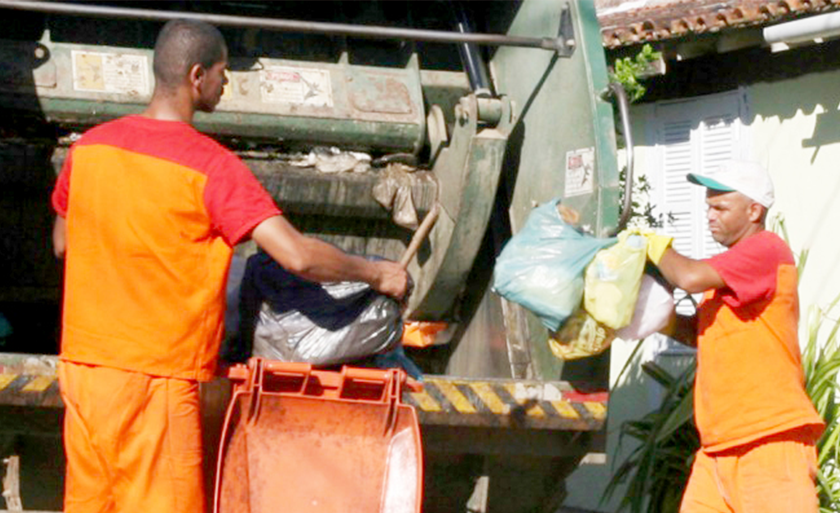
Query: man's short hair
column 182, row 44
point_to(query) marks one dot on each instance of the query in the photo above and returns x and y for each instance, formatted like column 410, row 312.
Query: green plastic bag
column 612, row 281
column 541, row 267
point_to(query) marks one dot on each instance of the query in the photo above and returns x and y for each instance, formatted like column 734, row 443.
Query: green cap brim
column 708, row 182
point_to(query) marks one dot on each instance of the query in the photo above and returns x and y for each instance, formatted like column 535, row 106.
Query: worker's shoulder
column 767, row 245
column 174, row 141
column 103, row 132
column 207, row 154
column 141, row 129
column 767, row 240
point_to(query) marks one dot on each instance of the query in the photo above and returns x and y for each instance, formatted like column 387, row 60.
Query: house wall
column 796, row 134
column 794, row 130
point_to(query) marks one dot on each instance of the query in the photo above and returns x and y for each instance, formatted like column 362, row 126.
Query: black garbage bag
column 287, row 318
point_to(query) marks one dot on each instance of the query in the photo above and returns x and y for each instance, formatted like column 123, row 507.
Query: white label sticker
column 580, row 167
column 111, row 73
column 301, row 86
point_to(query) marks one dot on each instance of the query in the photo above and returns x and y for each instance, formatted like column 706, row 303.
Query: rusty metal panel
column 321, row 103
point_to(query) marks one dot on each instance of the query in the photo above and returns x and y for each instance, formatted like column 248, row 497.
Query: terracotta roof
column 628, row 22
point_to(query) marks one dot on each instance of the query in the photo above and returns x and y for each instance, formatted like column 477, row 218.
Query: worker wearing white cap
column 757, row 425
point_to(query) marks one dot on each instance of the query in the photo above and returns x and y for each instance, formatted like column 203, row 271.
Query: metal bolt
column 462, row 111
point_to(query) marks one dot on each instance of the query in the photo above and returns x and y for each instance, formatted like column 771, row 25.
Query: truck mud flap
column 303, row 440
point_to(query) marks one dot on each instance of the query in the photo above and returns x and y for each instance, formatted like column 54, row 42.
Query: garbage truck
column 482, row 110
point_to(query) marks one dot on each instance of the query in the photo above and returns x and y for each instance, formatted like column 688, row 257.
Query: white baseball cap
column 748, row 178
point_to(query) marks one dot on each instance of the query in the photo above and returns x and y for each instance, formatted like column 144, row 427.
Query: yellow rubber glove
column 656, row 244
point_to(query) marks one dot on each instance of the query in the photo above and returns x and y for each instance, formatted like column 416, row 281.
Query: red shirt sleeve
column 750, row 268
column 236, row 201
column 61, row 192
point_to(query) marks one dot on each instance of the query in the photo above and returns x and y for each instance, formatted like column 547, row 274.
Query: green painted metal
column 351, row 134
column 361, row 107
column 468, row 170
column 556, row 100
column 444, row 88
column 560, row 110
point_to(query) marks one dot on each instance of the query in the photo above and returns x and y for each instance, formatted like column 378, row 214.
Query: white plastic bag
column 654, row 308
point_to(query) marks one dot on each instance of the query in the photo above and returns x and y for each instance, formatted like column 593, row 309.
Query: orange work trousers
column 772, row 475
column 133, row 442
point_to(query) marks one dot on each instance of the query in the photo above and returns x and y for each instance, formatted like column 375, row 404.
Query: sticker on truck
column 299, row 86
column 580, row 170
column 102, row 72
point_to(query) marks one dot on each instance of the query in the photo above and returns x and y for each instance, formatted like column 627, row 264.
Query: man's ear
column 196, row 75
column 755, row 212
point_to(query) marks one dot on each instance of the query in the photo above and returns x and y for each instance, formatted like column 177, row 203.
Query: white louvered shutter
column 718, row 142
column 678, row 202
column 692, row 136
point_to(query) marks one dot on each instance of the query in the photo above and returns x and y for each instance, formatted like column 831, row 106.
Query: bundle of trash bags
column 291, row 319
column 586, row 290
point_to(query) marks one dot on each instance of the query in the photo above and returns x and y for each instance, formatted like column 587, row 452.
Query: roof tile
column 626, row 23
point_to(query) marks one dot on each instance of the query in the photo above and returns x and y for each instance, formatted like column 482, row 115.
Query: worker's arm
column 692, row 276
column 688, row 274
column 59, row 237
column 316, row 260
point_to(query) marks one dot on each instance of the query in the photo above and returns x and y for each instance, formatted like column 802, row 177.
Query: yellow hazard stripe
column 5, row 379
column 38, row 384
column 533, row 411
column 565, row 409
column 490, row 398
column 425, row 402
column 454, row 396
column 598, row 410
column 544, row 402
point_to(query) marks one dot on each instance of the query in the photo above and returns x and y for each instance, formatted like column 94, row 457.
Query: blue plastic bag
column 541, row 267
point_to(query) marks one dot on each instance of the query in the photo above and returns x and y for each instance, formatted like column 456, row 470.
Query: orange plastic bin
column 300, row 440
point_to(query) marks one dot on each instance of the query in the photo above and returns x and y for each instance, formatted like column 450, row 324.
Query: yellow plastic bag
column 612, row 281
column 579, row 337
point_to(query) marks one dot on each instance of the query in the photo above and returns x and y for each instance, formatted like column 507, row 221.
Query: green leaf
column 659, row 374
column 681, row 416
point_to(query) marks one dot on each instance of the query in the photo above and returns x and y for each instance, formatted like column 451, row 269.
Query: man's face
column 730, row 216
column 213, row 85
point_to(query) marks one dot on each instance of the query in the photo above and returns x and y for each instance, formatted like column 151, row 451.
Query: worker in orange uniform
column 757, row 426
column 148, row 211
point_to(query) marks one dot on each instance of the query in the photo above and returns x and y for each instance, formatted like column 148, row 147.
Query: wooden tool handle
column 420, row 234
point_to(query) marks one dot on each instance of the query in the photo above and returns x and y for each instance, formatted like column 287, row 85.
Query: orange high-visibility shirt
column 750, row 382
column 153, row 209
